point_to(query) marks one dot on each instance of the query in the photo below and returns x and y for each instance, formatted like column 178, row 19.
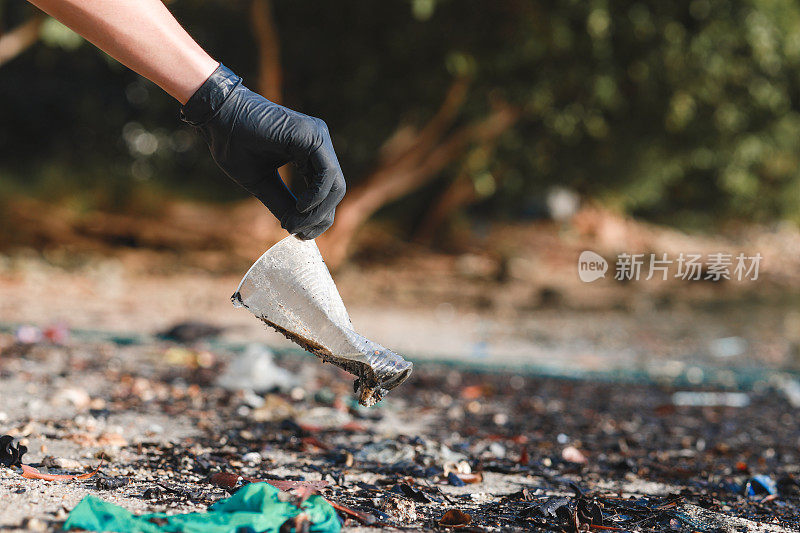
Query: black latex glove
column 250, row 137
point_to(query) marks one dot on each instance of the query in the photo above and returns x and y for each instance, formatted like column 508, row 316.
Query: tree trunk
column 270, row 69
column 16, row 41
column 270, row 72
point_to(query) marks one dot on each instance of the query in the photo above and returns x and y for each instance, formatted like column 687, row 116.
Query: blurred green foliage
column 678, row 111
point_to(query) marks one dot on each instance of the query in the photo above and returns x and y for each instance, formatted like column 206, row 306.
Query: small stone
column 61, row 463
column 251, row 458
column 33, row 524
column 74, row 396
column 571, row 454
column 498, row 450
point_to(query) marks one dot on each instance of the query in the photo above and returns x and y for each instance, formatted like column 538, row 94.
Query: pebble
column 498, row 450
column 251, row 458
column 62, row 463
column 74, row 396
column 572, row 454
column 33, row 524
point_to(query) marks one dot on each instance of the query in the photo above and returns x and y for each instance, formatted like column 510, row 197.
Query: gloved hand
column 250, row 137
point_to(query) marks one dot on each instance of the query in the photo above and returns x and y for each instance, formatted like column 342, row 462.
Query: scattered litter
column 254, row 507
column 28, row 335
column 400, row 509
column 30, row 472
column 791, row 389
column 411, row 452
column 11, row 451
column 57, row 333
column 727, row 347
column 710, row 399
column 230, row 481
column 760, row 485
column 392, row 451
column 454, row 480
column 255, row 370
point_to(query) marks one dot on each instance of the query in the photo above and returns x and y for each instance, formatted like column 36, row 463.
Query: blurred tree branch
column 412, row 162
column 406, row 140
column 270, row 71
column 459, row 193
column 19, row 39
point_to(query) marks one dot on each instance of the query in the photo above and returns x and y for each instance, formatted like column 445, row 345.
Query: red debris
column 30, row 472
column 227, row 480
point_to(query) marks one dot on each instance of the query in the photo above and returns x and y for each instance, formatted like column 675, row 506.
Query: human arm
column 142, row 35
column 249, row 136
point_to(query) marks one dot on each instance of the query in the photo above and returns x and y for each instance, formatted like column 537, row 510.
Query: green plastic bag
column 253, row 508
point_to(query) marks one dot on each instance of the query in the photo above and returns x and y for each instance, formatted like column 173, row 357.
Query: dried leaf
column 455, row 518
column 30, row 472
column 225, row 480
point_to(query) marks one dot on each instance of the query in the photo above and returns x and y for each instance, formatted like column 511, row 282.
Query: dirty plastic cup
column 291, row 290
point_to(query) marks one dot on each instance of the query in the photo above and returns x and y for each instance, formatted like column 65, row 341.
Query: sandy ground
column 153, row 412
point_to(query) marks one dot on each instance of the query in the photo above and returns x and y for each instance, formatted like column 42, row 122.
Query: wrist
column 195, row 73
column 206, row 101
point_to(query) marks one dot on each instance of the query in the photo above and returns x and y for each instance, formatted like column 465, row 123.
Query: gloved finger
column 316, row 231
column 322, row 215
column 274, row 194
column 319, row 186
column 325, row 172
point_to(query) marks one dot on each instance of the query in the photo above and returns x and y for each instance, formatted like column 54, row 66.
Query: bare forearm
column 141, row 34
